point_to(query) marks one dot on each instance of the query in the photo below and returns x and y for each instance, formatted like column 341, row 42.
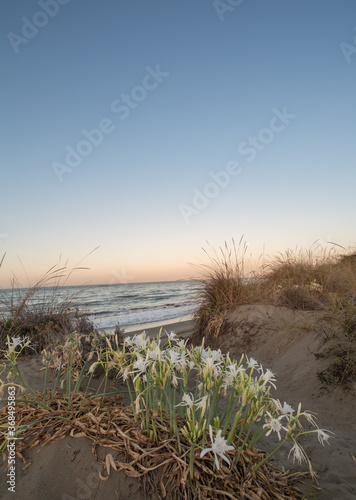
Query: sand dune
column 283, row 340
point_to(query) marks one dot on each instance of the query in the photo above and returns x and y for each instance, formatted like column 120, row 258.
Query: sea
column 131, row 305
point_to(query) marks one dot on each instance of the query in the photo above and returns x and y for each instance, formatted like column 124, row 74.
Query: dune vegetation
column 317, row 279
column 185, row 419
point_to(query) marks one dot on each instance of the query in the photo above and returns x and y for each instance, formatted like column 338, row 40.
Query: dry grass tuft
column 39, row 311
column 222, row 289
column 36, row 312
column 299, row 297
column 323, row 274
column 315, row 279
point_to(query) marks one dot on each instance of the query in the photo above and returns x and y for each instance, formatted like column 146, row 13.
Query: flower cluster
column 200, row 390
column 192, row 382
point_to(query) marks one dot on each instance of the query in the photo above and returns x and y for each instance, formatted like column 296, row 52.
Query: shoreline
column 182, row 327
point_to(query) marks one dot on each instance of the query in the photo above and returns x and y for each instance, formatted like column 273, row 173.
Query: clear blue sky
column 261, row 91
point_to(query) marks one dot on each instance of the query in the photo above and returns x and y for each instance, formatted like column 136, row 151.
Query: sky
column 148, row 128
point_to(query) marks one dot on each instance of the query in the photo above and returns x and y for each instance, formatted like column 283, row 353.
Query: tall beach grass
column 315, row 279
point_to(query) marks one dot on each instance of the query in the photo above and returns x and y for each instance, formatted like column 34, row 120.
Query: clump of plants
column 299, row 297
column 77, row 349
column 39, row 313
column 177, row 418
column 312, row 279
column 222, row 289
column 318, row 279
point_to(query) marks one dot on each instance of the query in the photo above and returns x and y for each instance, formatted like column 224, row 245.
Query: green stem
column 161, row 405
column 241, row 448
column 254, row 438
column 81, row 376
column 105, row 382
column 214, row 404
column 270, row 455
column 45, row 383
column 57, row 378
column 132, row 401
column 234, row 426
column 69, row 378
column 228, row 414
column 191, row 462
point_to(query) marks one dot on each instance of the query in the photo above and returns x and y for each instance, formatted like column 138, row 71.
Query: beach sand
column 283, row 340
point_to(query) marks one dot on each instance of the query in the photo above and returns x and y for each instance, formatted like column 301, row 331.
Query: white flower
column 139, row 367
column 187, row 400
column 201, row 403
column 216, row 355
column 251, row 363
column 174, row 381
column 125, row 373
column 323, row 437
column 298, row 454
column 16, row 341
column 92, row 367
column 255, row 388
column 171, row 336
column 174, row 357
column 140, row 340
column 269, row 377
column 191, row 365
column 219, row 447
column 286, row 409
column 183, row 361
column 228, row 381
column 209, row 363
column 154, row 353
column 275, row 425
column 310, row 417
column 234, row 370
column 181, row 344
column 26, row 342
column 205, row 353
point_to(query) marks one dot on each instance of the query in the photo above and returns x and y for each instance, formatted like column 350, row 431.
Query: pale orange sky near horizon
column 101, row 267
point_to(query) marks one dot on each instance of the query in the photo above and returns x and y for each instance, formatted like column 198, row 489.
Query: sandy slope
column 286, row 341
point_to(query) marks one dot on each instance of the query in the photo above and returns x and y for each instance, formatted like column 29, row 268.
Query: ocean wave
column 153, row 315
